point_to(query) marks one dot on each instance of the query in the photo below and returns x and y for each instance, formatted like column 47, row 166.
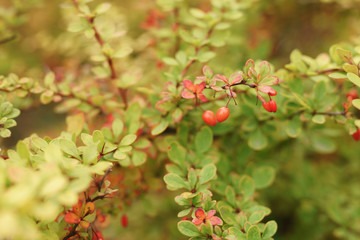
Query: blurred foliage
column 115, row 131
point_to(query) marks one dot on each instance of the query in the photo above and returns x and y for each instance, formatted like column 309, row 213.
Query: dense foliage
column 163, row 120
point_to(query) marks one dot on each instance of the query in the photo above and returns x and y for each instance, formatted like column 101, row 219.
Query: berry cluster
column 221, row 115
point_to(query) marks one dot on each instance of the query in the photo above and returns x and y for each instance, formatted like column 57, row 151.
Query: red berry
column 273, row 92
column 356, row 135
column 209, row 117
column 222, row 114
column 124, row 220
column 266, row 106
column 272, row 105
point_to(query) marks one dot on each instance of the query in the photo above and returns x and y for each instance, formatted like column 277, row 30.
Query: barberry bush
column 179, row 119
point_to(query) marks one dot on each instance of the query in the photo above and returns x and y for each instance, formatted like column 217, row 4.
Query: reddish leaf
column 215, row 221
column 89, row 208
column 189, row 85
column 222, row 78
column 187, row 94
column 85, row 224
column 267, row 89
column 200, row 87
column 202, row 97
column 77, row 208
column 71, row 217
column 199, row 213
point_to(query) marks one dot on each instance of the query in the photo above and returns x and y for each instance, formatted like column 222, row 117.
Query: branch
column 108, row 58
column 197, row 49
column 331, row 113
column 103, row 179
column 8, row 39
column 72, row 232
column 243, row 82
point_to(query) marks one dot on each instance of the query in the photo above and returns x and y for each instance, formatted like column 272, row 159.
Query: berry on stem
column 273, row 93
column 266, row 106
column 209, row 117
column 222, row 114
column 272, row 105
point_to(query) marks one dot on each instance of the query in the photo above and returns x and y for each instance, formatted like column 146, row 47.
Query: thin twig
column 8, row 39
column 108, row 58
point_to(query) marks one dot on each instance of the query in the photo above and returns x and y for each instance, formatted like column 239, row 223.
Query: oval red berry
column 272, row 105
column 209, row 118
column 266, row 106
column 222, row 114
column 124, row 221
column 273, row 92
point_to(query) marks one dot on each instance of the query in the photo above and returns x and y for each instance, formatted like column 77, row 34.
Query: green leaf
column 98, row 137
column 177, row 153
column 185, row 35
column 138, row 158
column 318, row 118
column 46, row 97
column 90, row 154
column 123, row 52
column 263, row 177
column 175, row 181
column 345, row 55
column 227, row 215
column 350, row 68
column 270, row 229
column 23, row 150
column 118, row 154
column 117, row 127
column 206, row 56
column 189, row 229
column 319, row 91
column 256, row 217
column 192, row 177
column 294, row 128
column 79, row 26
column 354, row 79
column 253, row 233
column 257, row 140
column 133, row 114
column 203, row 140
column 323, row 144
column 160, row 127
column 337, row 75
column 128, row 140
column 356, row 103
column 5, row 133
column 69, row 147
column 247, row 185
column 75, row 123
column 197, row 13
column 170, row 61
column 207, row 173
column 230, row 195
column 102, row 8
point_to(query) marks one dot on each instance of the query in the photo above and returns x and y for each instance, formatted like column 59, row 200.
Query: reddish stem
column 108, row 58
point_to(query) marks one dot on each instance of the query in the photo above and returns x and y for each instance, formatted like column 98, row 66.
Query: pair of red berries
column 270, row 106
column 221, row 115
